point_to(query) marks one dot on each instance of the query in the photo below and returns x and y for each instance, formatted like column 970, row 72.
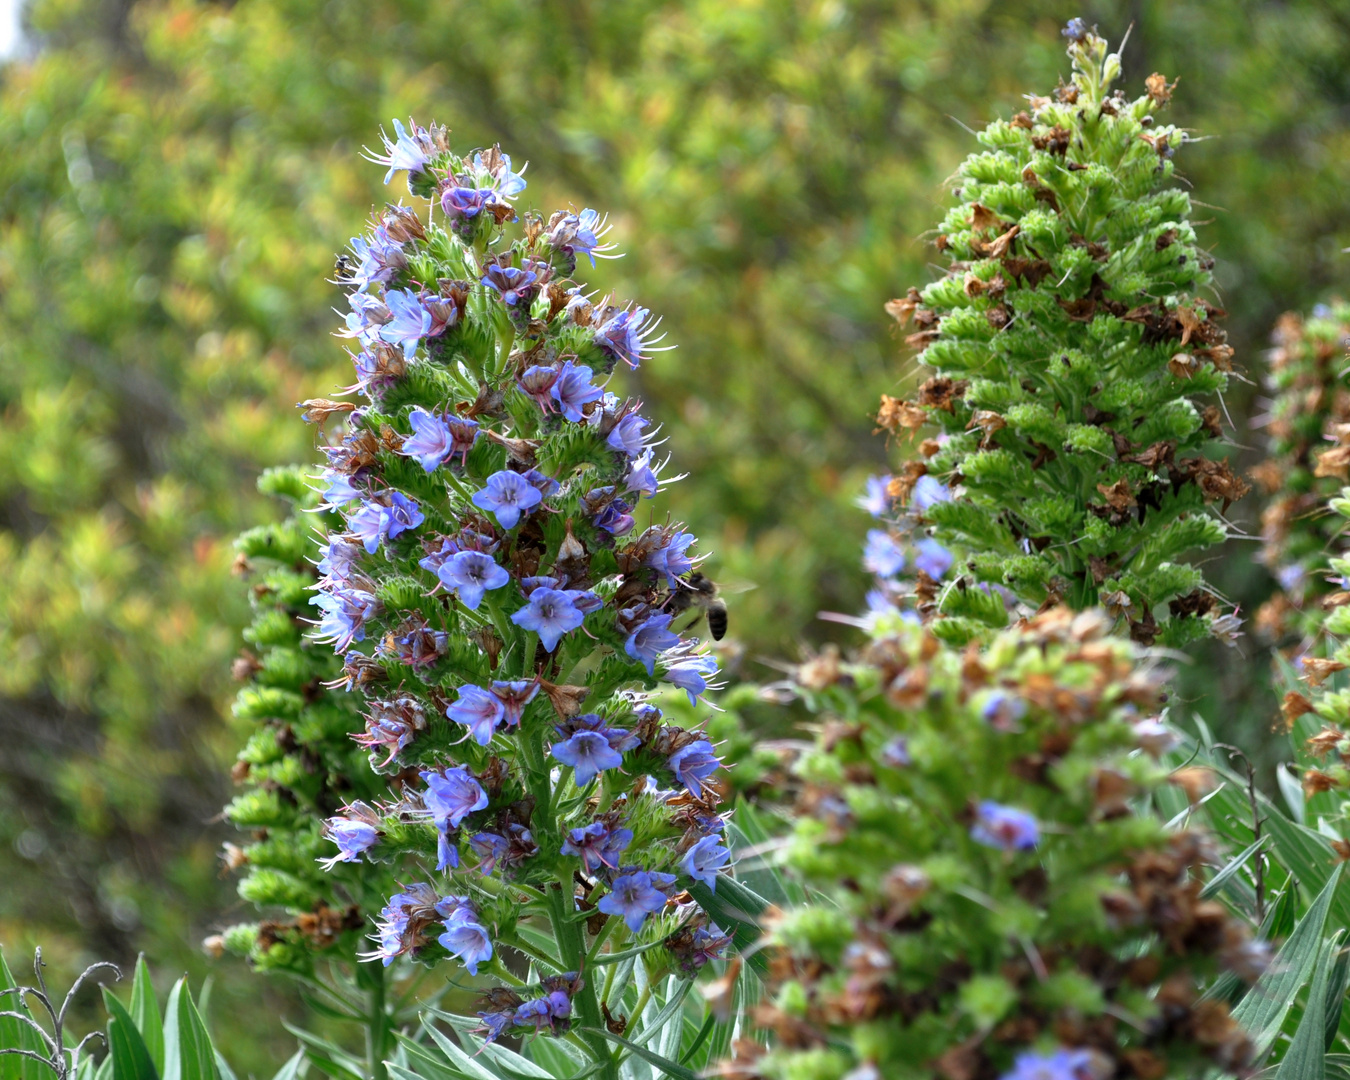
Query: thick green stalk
column 572, row 945
column 377, row 1019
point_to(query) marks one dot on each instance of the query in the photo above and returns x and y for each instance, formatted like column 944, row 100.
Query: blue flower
column 1061, row 1065
column 401, row 515
column 573, row 390
column 368, row 524
column 345, row 611
column 589, row 753
column 690, row 673
column 634, row 896
column 447, row 852
column 537, row 381
column 463, row 434
column 702, row 861
column 338, row 489
column 543, row 1012
column 379, row 258
column 367, row 316
column 429, row 444
column 642, row 477
column 1076, row 30
column 1290, row 577
column 598, row 845
column 609, row 512
column 401, row 921
column 479, row 711
column 895, row 753
column 1004, row 827
column 494, row 1025
column 470, row 574
column 626, row 335
column 546, row 484
column 462, row 205
column 626, row 435
column 374, row 521
column 572, row 233
column 466, row 938
column 408, row 152
column 667, row 555
column 507, row 496
column 695, row 952
column 882, row 555
column 619, row 739
column 928, row 491
column 512, row 283
column 411, row 321
column 339, row 559
column 693, row 764
column 452, row 796
column 650, row 639
column 877, row 499
column 551, row 613
column 932, row 558
column 515, row 695
column 378, row 367
column 489, row 847
column 505, row 183
column 353, row 836
column 1003, row 711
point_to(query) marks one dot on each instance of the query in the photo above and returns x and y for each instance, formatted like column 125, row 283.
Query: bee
column 701, row 593
column 342, row 267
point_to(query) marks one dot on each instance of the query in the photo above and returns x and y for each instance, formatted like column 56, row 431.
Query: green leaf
column 294, row 1068
column 1304, row 1059
column 429, row 1066
column 625, row 954
column 1308, row 855
column 329, row 1012
column 556, row 1057
column 1338, row 1066
column 1263, row 1009
column 188, row 1053
column 737, row 910
column 670, row 1008
column 145, row 1013
column 16, row 1035
column 1218, row 881
column 1335, row 1000
column 703, row 1033
column 668, row 1068
column 130, row 1056
column 429, row 1071
column 328, row 1056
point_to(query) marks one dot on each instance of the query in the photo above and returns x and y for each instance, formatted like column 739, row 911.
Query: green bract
column 1070, row 357
column 299, row 765
column 1309, row 442
column 1317, row 697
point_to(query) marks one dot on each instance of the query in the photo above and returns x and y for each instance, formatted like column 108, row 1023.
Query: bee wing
column 734, row 586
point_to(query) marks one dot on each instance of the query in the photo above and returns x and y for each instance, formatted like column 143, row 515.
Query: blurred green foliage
column 175, row 179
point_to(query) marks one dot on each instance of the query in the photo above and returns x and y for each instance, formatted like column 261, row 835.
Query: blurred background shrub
column 175, row 179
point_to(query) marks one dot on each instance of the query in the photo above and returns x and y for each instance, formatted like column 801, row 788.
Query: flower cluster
column 499, row 605
column 1317, row 710
column 995, row 905
column 1067, row 354
column 1308, row 428
column 299, row 765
